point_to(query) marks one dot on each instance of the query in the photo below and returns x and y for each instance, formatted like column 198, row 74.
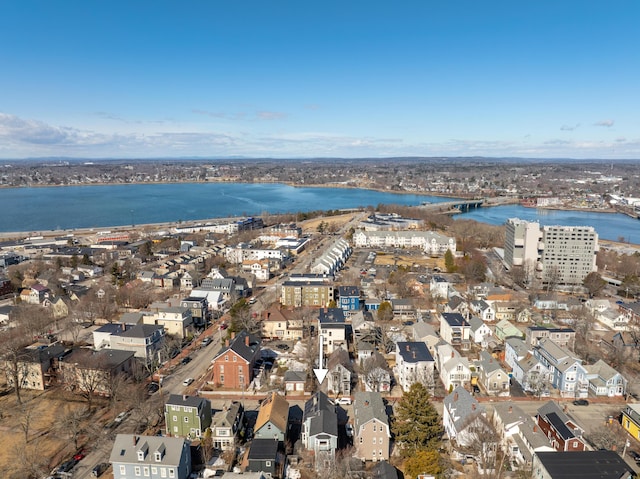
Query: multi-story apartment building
column 233, row 365
column 568, row 254
column 307, row 291
column 372, row 430
column 155, row 457
column 521, row 242
column 434, row 244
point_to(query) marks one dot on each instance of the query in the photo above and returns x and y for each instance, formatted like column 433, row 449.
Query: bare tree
column 374, row 371
column 71, row 424
column 482, row 442
column 15, row 359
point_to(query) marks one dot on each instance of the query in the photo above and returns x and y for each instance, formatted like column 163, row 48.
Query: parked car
column 349, row 428
column 206, row 341
column 152, row 388
column 187, row 381
column 80, row 455
column 99, row 469
column 186, row 360
column 121, row 417
column 580, row 402
column 634, row 455
column 67, row 465
column 282, row 346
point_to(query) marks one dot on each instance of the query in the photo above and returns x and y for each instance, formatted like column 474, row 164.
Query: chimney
column 455, row 396
column 226, row 343
column 233, row 335
column 184, row 397
column 408, row 348
column 135, row 439
column 510, row 409
column 124, row 327
column 535, row 428
column 414, row 355
column 246, row 340
column 473, row 407
column 453, row 355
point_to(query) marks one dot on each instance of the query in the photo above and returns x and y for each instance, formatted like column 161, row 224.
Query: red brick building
column 233, row 365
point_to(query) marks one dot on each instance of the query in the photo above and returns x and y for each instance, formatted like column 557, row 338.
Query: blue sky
column 314, row 79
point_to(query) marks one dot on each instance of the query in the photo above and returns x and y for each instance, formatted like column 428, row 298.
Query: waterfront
column 60, row 208
column 609, row 226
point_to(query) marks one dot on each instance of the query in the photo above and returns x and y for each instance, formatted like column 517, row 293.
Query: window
column 158, row 456
column 226, row 358
column 137, row 470
column 163, row 472
column 123, row 470
column 175, row 429
column 374, row 440
column 186, row 419
column 575, row 443
column 175, row 418
column 267, row 463
column 172, row 472
column 145, row 471
column 235, row 359
column 374, row 428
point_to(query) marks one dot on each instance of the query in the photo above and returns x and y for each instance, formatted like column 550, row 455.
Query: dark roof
column 111, row 328
column 325, row 422
column 414, row 351
column 239, row 346
column 139, row 331
column 454, row 319
column 585, row 465
column 42, row 354
column 318, row 402
column 331, row 315
column 348, row 291
column 263, row 449
column 191, row 401
column 561, row 427
column 384, row 470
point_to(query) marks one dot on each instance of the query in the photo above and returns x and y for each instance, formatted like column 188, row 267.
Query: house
column 631, row 419
column 454, row 329
column 427, row 334
column 264, row 456
column 372, row 435
column 34, row 368
column 233, row 366
column 563, row 337
column 186, row 281
column 362, row 324
column 566, row 372
column 613, row 319
column 144, row 340
column 375, row 374
column 187, row 416
column 320, row 430
column 294, row 381
column 282, row 324
column 599, row 464
column 479, row 332
column 532, row 375
column 199, row 309
column 94, row 372
column 155, row 457
column 365, row 349
column 461, row 416
column 403, row 308
column 339, row 373
column 414, row 363
column 349, row 297
column 226, row 425
column 454, row 369
column 515, row 349
column 504, row 330
column 439, row 287
column 484, row 310
column 58, row 307
column 37, row 294
column 457, row 304
column 332, row 327
column 261, row 268
column 605, row 381
column 176, row 321
column 563, row 432
column 272, row 418
column 491, row 375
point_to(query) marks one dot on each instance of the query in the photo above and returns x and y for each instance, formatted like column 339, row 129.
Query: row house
column 187, row 416
column 434, row 244
column 563, row 432
column 333, row 259
column 403, row 308
column 454, row 329
column 320, row 430
column 566, row 372
column 453, row 368
column 414, row 364
column 372, row 434
column 233, row 366
column 631, row 311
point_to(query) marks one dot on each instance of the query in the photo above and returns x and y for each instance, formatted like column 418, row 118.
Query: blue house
column 566, row 372
column 349, row 298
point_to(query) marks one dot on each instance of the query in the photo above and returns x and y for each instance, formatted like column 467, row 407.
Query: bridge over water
column 461, row 206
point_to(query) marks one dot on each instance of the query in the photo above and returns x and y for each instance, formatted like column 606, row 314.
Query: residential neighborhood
column 198, row 350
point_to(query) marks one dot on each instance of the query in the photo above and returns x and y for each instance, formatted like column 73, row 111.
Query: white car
column 344, row 400
column 349, row 428
column 187, row 381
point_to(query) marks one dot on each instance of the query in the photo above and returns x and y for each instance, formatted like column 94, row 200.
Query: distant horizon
column 331, row 79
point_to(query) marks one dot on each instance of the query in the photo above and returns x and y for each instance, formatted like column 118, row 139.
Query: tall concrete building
column 568, row 253
column 522, row 241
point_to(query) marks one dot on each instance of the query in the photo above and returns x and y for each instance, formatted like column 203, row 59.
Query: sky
column 305, row 79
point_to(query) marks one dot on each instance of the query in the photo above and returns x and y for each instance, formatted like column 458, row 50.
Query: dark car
column 580, row 402
column 152, row 388
column 635, row 456
column 186, row 360
column 99, row 469
column 282, row 346
column 67, row 465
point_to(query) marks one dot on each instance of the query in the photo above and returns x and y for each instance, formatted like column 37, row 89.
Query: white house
column 414, row 363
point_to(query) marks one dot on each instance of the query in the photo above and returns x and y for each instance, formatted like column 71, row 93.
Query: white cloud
column 605, row 123
column 569, row 127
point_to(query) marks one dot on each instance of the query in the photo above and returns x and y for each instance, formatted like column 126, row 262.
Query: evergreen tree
column 423, row 461
column 449, row 262
column 385, row 311
column 416, row 424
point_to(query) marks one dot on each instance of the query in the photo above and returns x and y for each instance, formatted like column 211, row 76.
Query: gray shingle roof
column 126, row 446
column 367, row 407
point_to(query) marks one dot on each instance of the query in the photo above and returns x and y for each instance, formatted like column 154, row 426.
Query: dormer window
column 142, row 452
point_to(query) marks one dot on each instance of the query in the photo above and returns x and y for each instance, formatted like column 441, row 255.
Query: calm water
column 42, row 209
column 608, row 225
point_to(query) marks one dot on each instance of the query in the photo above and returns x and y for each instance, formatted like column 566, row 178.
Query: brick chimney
column 233, row 335
column 246, row 340
column 455, row 396
column 226, row 342
column 473, row 407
